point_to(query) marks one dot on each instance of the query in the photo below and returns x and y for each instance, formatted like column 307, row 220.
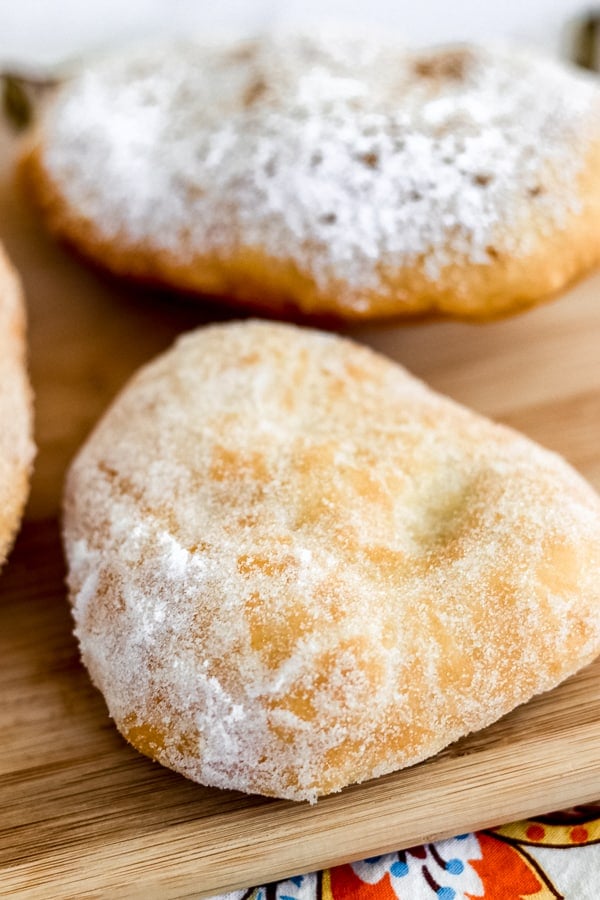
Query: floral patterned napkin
column 553, row 856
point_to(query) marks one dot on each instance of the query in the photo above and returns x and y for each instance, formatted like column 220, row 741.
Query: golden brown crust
column 16, row 444
column 533, row 254
column 253, row 280
column 294, row 567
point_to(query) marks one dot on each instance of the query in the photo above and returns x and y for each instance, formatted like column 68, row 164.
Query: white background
column 46, row 31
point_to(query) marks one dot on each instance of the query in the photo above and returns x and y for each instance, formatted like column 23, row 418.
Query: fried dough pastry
column 16, row 443
column 333, row 178
column 294, row 567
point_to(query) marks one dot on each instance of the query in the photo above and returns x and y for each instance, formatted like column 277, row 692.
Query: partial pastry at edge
column 294, row 567
column 16, row 417
column 314, row 176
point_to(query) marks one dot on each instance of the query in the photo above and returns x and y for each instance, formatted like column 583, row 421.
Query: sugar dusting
column 348, row 157
column 17, row 449
column 291, row 608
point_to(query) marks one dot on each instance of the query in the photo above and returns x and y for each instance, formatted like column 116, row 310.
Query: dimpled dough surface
column 293, row 566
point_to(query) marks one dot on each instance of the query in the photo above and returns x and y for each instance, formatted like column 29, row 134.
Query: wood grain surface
column 82, row 815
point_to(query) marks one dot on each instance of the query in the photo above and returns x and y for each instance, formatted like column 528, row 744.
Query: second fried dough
column 328, row 177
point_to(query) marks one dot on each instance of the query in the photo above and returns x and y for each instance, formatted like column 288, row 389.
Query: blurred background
column 38, row 32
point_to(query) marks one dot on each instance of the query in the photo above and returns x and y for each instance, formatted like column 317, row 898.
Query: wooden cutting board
column 82, row 815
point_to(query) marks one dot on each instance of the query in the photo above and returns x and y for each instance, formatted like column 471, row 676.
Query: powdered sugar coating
column 294, row 567
column 348, row 157
column 16, row 417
